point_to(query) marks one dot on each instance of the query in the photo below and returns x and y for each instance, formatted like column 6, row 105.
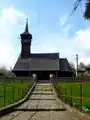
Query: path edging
column 73, row 109
column 10, row 108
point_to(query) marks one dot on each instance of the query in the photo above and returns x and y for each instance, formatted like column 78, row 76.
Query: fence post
column 4, row 95
column 65, row 94
column 81, row 95
column 22, row 92
column 13, row 93
column 71, row 95
column 60, row 92
column 68, row 94
column 18, row 94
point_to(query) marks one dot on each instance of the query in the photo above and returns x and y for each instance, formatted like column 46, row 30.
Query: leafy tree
column 86, row 13
column 87, row 10
column 88, row 65
column 3, row 70
column 6, row 72
column 81, row 65
column 72, row 65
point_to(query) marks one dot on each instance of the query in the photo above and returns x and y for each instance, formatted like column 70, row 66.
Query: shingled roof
column 64, row 65
column 52, row 56
column 38, row 62
column 42, row 62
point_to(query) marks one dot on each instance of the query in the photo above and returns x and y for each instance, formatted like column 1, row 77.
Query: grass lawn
column 65, row 88
column 12, row 92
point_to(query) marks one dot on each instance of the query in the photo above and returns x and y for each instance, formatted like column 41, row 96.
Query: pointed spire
column 26, row 32
column 26, row 29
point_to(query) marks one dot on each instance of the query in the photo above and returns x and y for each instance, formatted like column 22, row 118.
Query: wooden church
column 41, row 64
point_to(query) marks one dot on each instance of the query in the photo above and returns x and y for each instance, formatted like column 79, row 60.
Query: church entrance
column 44, row 75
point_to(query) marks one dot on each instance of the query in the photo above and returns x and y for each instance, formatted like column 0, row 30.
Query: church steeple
column 26, row 42
column 26, row 28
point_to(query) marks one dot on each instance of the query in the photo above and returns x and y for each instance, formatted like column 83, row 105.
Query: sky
column 52, row 28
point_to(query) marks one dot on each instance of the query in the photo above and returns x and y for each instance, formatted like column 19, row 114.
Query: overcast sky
column 52, row 29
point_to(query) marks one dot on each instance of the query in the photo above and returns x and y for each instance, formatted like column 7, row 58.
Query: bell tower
column 26, row 38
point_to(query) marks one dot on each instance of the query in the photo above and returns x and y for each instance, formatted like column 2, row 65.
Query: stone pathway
column 43, row 104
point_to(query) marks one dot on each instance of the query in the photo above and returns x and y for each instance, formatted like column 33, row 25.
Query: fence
column 76, row 94
column 15, row 79
column 71, row 79
column 13, row 89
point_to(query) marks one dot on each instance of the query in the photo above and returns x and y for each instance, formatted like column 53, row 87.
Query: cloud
column 11, row 23
column 64, row 23
column 67, row 47
column 63, row 19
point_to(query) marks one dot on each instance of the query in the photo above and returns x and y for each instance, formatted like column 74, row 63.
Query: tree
column 81, row 65
column 87, row 10
column 7, row 72
column 72, row 65
column 3, row 70
column 86, row 13
column 88, row 65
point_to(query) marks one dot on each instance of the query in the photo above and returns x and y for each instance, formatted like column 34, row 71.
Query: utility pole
column 76, row 65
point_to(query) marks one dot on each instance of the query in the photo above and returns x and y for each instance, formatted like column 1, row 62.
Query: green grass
column 61, row 86
column 7, row 90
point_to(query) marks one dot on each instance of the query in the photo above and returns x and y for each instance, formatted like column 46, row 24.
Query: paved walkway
column 43, row 104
